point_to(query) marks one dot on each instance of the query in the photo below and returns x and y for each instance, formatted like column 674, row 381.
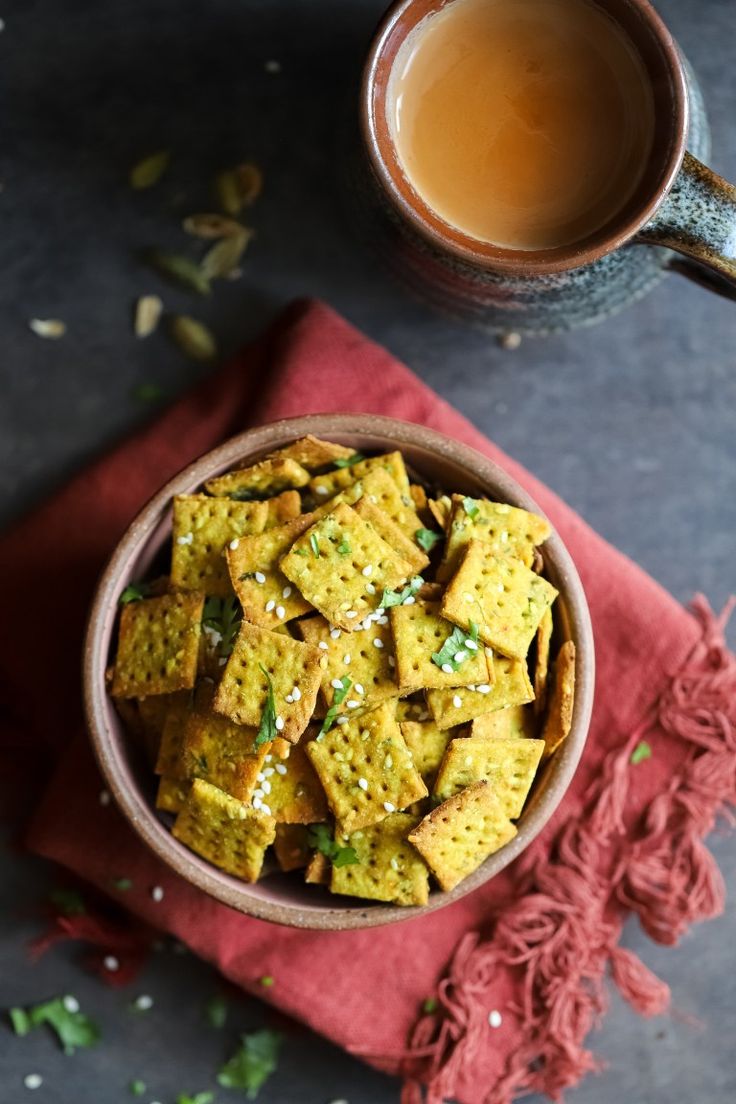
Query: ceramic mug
column 682, row 217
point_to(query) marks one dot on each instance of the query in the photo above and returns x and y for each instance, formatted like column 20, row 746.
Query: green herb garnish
column 137, row 1088
column 301, row 551
column 430, row 1005
column 69, row 902
column 471, row 507
column 73, row 1028
column 455, row 649
column 314, row 544
column 427, row 538
column 123, row 884
column 134, row 592
column 251, row 1065
column 179, row 269
column 149, row 171
column 198, row 1098
column 348, row 461
column 223, row 616
column 641, row 752
column 344, row 548
column 338, row 698
column 216, row 1012
column 320, row 838
column 267, row 730
column 398, row 597
column 246, row 495
column 266, row 981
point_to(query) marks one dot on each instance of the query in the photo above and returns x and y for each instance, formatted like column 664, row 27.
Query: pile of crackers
column 345, row 673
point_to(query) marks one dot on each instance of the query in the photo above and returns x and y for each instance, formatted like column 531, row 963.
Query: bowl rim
column 109, row 749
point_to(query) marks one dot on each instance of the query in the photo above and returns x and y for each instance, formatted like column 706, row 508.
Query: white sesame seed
column 460, row 656
column 289, row 699
column 495, row 1019
column 347, row 657
column 266, row 787
column 268, row 772
column 394, row 863
column 447, row 668
column 221, row 661
column 367, row 571
column 483, row 688
column 500, row 588
column 242, row 812
column 267, row 758
column 363, row 783
column 350, row 613
column 296, row 694
column 504, row 537
column 280, row 768
column 382, row 620
column 324, row 645
column 335, row 633
column 377, row 642
column 260, row 776
column 260, row 577
column 359, row 688
column 457, row 701
column 257, row 802
column 234, row 544
column 33, row 1081
column 280, row 612
column 409, row 601
column 391, row 661
column 336, row 684
column 259, row 793
column 322, row 490
column 468, row 597
column 341, row 720
column 157, row 893
column 353, row 704
column 111, row 963
column 71, row 1004
column 104, row 797
column 468, row 760
column 388, row 763
column 286, row 592
column 279, row 724
column 472, row 645
column 143, row 1002
column 270, row 604
column 186, row 539
column 472, row 686
column 370, row 589
column 266, row 809
column 389, row 807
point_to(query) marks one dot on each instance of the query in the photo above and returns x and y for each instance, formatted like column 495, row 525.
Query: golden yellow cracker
column 223, row 753
column 318, row 870
column 291, row 846
column 516, row 720
column 312, row 452
column 170, row 760
column 342, row 566
column 158, row 645
column 293, row 668
column 378, row 488
column 325, row 486
column 509, row 686
column 283, row 508
column 507, row 764
column 227, row 832
column 292, row 790
column 268, row 477
column 268, row 598
column 366, row 769
column 440, row 509
column 541, row 666
column 388, row 867
column 419, row 633
column 172, row 794
column 460, row 834
column 357, row 655
column 502, row 596
column 427, row 744
column 153, row 711
column 203, row 528
column 387, row 528
column 418, row 497
column 508, row 531
column 559, row 711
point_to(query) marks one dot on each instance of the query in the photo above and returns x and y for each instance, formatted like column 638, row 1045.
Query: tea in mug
column 526, row 124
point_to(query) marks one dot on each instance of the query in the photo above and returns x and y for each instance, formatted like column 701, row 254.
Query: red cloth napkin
column 536, row 943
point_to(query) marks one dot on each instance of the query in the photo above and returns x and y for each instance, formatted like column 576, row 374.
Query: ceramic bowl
column 281, row 898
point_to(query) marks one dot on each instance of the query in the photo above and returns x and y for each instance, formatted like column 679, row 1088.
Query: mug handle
column 698, row 221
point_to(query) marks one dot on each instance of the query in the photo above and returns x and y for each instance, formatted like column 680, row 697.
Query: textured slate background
column 632, row 422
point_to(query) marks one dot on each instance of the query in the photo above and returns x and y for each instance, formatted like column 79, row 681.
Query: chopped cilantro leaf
column 198, row 1098
column 398, row 597
column 69, row 902
column 314, row 544
column 348, row 461
column 73, row 1028
column 455, row 651
column 344, row 547
column 247, row 575
column 223, row 615
column 427, row 538
column 641, row 752
column 137, row 1088
column 20, row 1020
column 320, row 838
column 251, row 1065
column 337, row 699
column 471, row 507
column 266, row 981
column 267, row 730
column 216, row 1012
column 301, row 551
column 430, row 1005
column 123, row 884
column 134, row 592
column 244, row 495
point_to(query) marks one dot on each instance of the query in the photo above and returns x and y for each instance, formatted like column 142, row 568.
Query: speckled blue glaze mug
column 681, row 217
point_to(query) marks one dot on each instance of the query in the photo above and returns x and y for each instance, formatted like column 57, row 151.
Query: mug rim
column 410, row 205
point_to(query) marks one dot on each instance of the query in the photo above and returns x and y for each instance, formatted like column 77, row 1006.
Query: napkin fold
column 535, row 945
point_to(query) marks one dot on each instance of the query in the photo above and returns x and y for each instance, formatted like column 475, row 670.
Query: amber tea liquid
column 526, row 124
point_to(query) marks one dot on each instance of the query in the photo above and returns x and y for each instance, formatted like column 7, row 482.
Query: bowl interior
column 280, row 897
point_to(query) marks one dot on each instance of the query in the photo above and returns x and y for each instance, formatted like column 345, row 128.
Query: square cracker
column 243, row 691
column 170, row 759
column 158, row 645
column 441, row 509
column 392, row 533
column 507, row 530
column 203, row 528
column 225, row 831
column 291, row 846
column 504, row 598
column 516, row 720
column 541, row 665
column 312, row 452
column 388, row 867
column 318, row 870
column 559, row 711
column 508, row 765
column 344, row 587
column 510, row 686
column 221, row 752
column 460, row 834
column 282, row 508
column 366, row 769
column 172, row 794
column 292, row 790
column 325, row 486
column 268, row 477
column 356, row 655
column 427, row 744
column 378, row 488
column 261, row 553
column 419, row 632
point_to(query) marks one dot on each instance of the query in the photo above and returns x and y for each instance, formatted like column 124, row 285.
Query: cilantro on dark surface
column 69, row 902
column 134, row 592
column 223, row 615
column 252, row 1064
column 427, row 539
column 216, row 1012
column 320, row 838
column 348, row 461
column 73, row 1029
column 641, row 752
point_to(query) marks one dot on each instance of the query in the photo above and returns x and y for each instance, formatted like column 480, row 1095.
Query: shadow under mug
column 680, row 205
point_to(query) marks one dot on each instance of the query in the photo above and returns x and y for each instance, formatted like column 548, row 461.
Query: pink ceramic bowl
column 284, row 898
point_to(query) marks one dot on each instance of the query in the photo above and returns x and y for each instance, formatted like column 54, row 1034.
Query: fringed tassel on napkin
column 559, row 932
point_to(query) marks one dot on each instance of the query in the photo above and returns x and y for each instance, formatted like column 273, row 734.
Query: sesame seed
column 346, row 658
column 322, row 490
column 270, row 605
column 335, row 633
column 266, row 809
column 104, row 797
column 447, row 668
column 382, row 620
column 242, row 812
column 260, row 776
column 363, row 783
column 71, row 1004
column 388, row 763
column 377, row 642
column 280, row 612
column 391, row 661
column 157, row 893
column 460, row 656
column 324, row 645
column 370, row 589
column 359, row 688
column 289, row 699
column 266, row 787
column 296, row 694
column 468, row 597
column 33, row 1081
column 143, row 1002
column 260, row 577
column 259, row 793
column 457, row 701
column 353, row 704
column 341, row 720
column 367, row 571
column 337, row 684
column 186, row 539
column 279, row 724
column 280, row 768
column 472, row 645
column 257, row 802
column 350, row 613
column 409, row 601
column 394, row 863
column 483, row 688
column 286, row 592
column 268, row 772
column 468, row 760
column 389, row 807
column 221, row 661
column 267, row 758
column 495, row 1019
column 234, row 544
column 111, row 963
column 500, row 588
column 472, row 686
column 504, row 537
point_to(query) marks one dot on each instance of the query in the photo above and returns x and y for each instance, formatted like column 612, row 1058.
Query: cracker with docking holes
column 313, row 453
column 318, row 870
column 170, row 759
column 172, row 794
column 203, row 529
column 510, row 686
column 341, row 566
column 516, row 720
column 283, row 508
column 324, row 487
column 541, row 664
column 427, row 744
column 507, row 530
column 388, row 867
column 421, row 638
column 561, row 701
column 507, row 764
column 261, row 660
column 502, row 596
column 392, row 533
column 158, row 645
column 291, row 847
column 225, row 831
column 461, row 833
column 440, row 509
column 221, row 752
column 268, row 477
column 364, row 656
column 366, row 769
column 292, row 790
column 378, row 488
column 268, row 598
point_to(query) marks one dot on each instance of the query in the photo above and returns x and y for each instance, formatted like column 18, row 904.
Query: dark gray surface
column 632, row 422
